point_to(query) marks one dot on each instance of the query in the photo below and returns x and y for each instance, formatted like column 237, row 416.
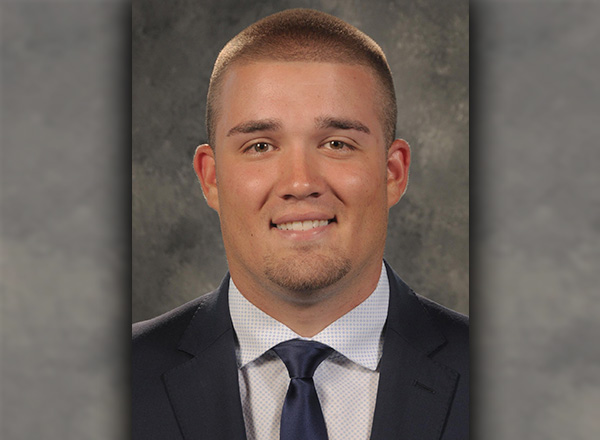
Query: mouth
column 304, row 225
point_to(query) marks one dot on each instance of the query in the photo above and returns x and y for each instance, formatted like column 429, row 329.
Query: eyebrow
column 342, row 124
column 254, row 126
column 322, row 122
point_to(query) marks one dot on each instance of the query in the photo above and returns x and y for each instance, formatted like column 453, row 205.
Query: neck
column 309, row 317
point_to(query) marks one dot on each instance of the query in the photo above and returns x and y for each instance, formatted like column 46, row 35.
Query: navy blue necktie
column 302, row 418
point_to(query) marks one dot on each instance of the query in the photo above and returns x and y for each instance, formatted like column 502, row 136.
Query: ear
column 398, row 163
column 204, row 165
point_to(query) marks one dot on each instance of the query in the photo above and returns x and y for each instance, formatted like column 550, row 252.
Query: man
column 302, row 167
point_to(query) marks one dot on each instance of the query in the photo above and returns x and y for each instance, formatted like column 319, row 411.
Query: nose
column 300, row 175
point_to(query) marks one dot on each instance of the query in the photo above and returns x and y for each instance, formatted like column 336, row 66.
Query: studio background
column 177, row 251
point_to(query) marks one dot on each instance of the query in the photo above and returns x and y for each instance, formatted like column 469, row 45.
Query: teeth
column 302, row 226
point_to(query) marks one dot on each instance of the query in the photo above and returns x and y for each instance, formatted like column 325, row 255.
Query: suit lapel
column 204, row 391
column 415, row 392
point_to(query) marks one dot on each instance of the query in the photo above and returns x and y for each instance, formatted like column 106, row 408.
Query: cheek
column 360, row 186
column 242, row 187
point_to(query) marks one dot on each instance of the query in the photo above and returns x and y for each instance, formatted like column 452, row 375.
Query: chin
column 306, row 276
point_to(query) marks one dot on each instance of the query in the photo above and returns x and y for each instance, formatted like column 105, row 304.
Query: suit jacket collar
column 408, row 318
column 415, row 392
column 204, row 391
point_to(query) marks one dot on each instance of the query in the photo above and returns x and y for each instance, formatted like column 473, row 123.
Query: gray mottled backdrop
column 177, row 248
column 65, row 182
column 535, row 238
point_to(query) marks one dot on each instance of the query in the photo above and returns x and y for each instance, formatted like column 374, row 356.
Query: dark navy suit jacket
column 185, row 378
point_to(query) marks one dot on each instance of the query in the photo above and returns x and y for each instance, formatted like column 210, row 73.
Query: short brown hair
column 304, row 35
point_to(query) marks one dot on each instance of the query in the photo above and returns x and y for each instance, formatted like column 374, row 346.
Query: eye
column 338, row 145
column 259, row 147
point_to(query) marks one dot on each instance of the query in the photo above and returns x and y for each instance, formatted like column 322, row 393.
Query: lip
column 300, row 217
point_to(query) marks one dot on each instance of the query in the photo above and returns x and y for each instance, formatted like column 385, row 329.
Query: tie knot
column 302, row 357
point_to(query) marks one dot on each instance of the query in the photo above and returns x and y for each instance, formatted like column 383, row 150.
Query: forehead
column 295, row 91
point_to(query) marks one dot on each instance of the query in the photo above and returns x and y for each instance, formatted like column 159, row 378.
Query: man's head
column 303, row 171
column 304, row 35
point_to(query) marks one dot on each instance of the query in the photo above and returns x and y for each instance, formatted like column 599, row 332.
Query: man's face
column 304, row 179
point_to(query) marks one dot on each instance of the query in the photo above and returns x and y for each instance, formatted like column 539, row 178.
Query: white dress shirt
column 346, row 382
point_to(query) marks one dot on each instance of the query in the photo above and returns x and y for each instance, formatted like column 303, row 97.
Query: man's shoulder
column 165, row 331
column 452, row 324
column 441, row 332
column 174, row 318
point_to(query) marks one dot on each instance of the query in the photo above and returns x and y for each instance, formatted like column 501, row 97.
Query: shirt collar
column 358, row 335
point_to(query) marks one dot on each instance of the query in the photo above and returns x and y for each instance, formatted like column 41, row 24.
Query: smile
column 305, row 225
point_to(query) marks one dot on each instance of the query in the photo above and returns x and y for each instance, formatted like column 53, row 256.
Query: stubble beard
column 306, row 276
